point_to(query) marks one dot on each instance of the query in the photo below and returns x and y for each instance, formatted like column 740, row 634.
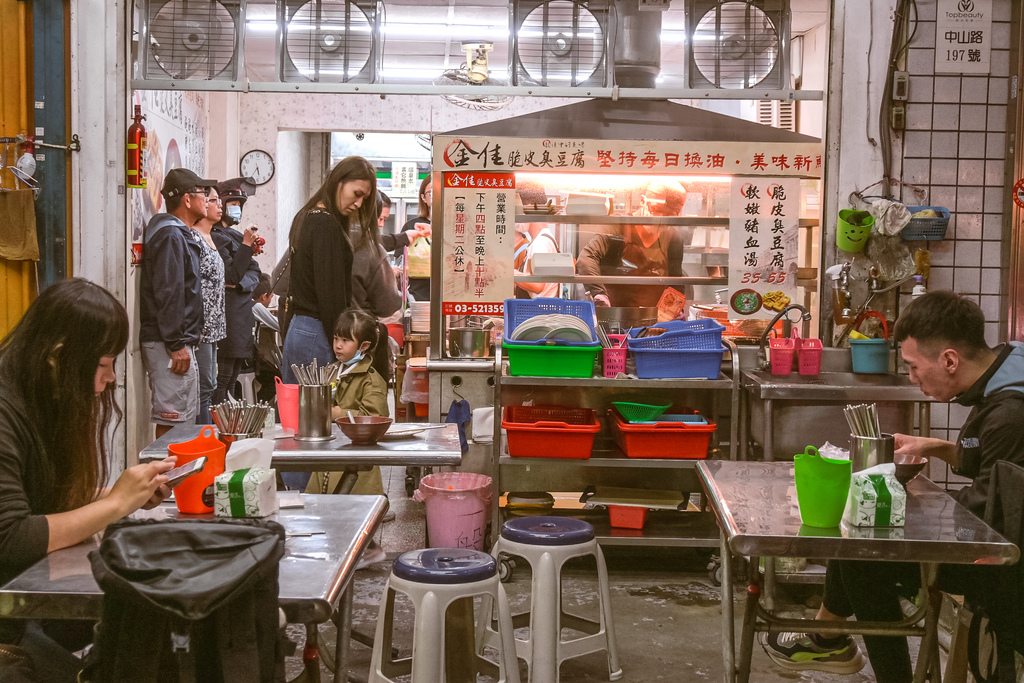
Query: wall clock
column 258, row 165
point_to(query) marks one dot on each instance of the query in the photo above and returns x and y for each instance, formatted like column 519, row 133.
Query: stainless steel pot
column 469, row 342
column 618, row 319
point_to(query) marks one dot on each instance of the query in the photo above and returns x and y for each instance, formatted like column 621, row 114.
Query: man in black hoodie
column 943, row 344
column 171, row 300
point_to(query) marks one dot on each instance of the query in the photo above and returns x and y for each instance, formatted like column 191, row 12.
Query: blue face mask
column 354, row 359
column 234, row 212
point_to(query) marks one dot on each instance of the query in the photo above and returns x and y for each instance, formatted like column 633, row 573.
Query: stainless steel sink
column 831, row 386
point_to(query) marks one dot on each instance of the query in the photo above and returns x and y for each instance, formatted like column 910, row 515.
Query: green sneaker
column 797, row 651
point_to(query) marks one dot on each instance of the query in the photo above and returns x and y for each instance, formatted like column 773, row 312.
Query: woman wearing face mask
column 320, row 286
column 241, row 275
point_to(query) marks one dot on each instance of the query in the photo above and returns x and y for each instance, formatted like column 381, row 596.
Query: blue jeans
column 304, row 343
column 206, row 357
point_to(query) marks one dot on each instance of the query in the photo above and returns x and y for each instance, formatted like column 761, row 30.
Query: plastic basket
column 933, row 229
column 681, row 334
column 614, row 361
column 679, row 363
column 677, row 440
column 639, row 412
column 550, row 431
column 809, row 357
column 627, row 516
column 518, row 311
column 550, row 361
column 781, row 352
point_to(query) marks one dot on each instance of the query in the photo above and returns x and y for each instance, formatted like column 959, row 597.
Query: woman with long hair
column 56, row 402
column 320, row 287
column 419, row 287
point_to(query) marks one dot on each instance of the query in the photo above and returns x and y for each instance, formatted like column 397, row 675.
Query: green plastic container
column 639, row 412
column 551, row 361
column 853, row 229
column 822, row 486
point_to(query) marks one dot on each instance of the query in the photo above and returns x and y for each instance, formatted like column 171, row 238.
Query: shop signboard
column 405, row 179
column 963, row 36
column 479, row 233
column 663, row 157
column 764, row 236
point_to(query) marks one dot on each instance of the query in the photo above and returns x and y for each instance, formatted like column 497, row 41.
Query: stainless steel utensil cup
column 866, row 451
column 314, row 413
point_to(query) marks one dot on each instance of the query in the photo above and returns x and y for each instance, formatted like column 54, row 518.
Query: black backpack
column 188, row 601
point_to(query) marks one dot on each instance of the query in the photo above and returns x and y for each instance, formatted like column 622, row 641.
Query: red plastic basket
column 550, row 431
column 782, row 352
column 627, row 516
column 677, row 440
column 809, row 356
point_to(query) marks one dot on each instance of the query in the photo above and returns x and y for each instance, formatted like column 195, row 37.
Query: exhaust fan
column 328, row 41
column 738, row 44
column 196, row 40
column 474, row 72
column 560, row 42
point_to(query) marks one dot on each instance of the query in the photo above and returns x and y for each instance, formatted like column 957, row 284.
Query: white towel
column 483, row 425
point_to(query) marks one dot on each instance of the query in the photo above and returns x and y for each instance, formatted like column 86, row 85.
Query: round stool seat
column 445, row 565
column 547, row 531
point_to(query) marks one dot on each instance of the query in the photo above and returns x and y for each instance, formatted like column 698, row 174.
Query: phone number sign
column 479, row 234
column 764, row 236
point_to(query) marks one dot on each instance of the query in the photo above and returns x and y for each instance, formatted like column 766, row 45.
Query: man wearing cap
column 171, row 300
column 241, row 275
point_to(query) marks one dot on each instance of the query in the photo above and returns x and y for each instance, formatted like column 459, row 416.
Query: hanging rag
column 483, row 425
column 18, row 241
column 890, row 216
column 461, row 414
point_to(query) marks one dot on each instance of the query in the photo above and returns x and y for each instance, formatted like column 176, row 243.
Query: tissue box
column 251, row 492
column 876, row 500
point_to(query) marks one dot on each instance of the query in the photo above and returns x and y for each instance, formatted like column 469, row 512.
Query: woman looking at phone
column 56, row 403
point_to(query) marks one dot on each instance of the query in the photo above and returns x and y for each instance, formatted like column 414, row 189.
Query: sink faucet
column 762, row 354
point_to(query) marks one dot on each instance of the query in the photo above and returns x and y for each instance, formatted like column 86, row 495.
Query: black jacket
column 602, row 255
column 320, row 284
column 241, row 271
column 992, row 431
column 171, row 297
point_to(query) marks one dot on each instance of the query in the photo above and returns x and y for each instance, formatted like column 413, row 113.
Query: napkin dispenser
column 877, row 499
column 249, row 492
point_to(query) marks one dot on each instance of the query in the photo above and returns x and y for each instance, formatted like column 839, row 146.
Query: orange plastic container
column 627, row 516
column 550, row 431
column 188, row 495
column 677, row 440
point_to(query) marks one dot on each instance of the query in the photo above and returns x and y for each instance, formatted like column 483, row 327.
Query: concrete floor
column 667, row 612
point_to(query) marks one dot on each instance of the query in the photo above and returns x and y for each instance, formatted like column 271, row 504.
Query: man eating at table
column 943, row 344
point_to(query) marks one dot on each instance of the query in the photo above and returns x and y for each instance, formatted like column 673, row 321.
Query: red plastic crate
column 627, row 516
column 550, row 431
column 661, row 439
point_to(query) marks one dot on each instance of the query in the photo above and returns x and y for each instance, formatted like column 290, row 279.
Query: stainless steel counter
column 831, row 386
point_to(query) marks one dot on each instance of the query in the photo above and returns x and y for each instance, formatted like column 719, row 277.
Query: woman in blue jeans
column 320, row 288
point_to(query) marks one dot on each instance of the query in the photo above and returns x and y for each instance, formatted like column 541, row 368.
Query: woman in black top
column 320, row 287
column 419, row 288
column 56, row 402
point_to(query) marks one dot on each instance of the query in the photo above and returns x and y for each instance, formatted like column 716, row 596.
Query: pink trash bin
column 458, row 507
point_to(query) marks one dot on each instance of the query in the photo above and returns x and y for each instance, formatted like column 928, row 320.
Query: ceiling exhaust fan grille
column 192, row 39
column 329, row 41
column 560, row 42
column 737, row 44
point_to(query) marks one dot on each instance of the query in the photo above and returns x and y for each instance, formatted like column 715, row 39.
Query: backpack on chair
column 188, row 601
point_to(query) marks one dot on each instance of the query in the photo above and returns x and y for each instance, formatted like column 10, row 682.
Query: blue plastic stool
column 547, row 543
column 433, row 579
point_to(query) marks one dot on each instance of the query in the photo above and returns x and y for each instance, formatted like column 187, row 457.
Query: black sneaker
column 797, row 651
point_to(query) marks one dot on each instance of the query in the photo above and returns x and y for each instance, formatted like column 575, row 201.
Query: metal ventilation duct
column 637, row 45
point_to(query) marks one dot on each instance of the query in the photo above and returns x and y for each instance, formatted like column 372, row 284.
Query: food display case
column 747, row 225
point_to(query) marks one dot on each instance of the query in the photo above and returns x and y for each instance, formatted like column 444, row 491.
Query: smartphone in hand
column 180, row 474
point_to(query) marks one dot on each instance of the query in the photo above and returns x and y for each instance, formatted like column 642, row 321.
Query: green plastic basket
column 639, row 412
column 551, row 361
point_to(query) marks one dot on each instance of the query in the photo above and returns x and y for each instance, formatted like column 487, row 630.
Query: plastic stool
column 433, row 579
column 547, row 543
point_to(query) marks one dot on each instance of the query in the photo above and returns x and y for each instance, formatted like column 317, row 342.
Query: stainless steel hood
column 633, row 120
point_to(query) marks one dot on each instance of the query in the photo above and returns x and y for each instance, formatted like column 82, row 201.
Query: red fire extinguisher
column 136, row 148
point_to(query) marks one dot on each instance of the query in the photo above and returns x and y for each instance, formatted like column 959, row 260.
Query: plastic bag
column 419, row 258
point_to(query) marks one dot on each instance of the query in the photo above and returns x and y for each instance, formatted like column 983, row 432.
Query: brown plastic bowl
column 366, row 430
column 908, row 467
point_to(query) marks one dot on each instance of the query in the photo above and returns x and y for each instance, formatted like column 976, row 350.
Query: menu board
column 479, row 234
column 963, row 36
column 764, row 234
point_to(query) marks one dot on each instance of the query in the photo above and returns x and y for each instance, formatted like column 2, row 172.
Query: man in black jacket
column 943, row 344
column 171, row 300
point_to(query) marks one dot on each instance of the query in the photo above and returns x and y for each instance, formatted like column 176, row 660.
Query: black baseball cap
column 178, row 181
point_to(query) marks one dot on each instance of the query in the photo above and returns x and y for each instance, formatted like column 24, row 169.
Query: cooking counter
column 831, row 386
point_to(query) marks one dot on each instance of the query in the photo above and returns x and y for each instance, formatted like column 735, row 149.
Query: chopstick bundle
column 863, row 420
column 236, row 417
column 313, row 375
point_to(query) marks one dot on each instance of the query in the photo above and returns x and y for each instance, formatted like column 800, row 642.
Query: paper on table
column 290, row 499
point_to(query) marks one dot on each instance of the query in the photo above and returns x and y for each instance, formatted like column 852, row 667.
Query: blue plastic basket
column 705, row 334
column 679, row 363
column 518, row 311
column 932, row 229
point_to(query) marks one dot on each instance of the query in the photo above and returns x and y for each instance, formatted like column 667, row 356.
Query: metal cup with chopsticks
column 237, row 420
column 315, row 384
column 868, row 445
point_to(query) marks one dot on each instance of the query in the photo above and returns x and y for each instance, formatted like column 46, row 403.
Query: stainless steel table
column 324, row 542
column 432, row 448
column 755, row 504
